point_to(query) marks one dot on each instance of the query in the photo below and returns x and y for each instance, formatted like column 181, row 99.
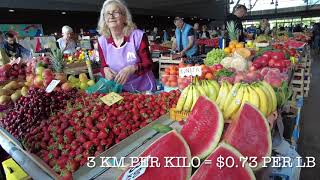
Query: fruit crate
column 165, row 63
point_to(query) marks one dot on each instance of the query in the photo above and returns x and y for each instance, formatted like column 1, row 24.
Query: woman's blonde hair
column 129, row 26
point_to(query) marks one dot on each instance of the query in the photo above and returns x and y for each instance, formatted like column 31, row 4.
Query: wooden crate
column 297, row 84
column 165, row 63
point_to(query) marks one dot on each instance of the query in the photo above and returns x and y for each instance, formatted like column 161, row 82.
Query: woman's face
column 114, row 16
column 67, row 35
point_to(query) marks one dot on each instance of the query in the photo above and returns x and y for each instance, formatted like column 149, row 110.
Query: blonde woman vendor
column 66, row 43
column 124, row 49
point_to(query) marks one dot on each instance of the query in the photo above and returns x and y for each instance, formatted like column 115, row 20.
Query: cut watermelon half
column 250, row 134
column 203, row 128
column 236, row 170
column 171, row 144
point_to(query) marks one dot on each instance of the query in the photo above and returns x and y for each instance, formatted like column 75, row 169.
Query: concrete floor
column 309, row 142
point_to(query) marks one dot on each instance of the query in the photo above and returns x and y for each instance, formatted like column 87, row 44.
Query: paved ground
column 309, row 143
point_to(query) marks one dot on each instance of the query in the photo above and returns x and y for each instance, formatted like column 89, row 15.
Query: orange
column 168, row 83
column 182, row 65
column 232, row 46
column 240, row 45
column 209, row 76
column 233, row 42
column 173, row 78
column 227, row 50
column 173, row 84
column 167, row 70
column 203, row 66
column 233, row 50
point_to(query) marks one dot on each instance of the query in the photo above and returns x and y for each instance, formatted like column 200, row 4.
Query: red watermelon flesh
column 237, row 171
column 250, row 134
column 203, row 128
column 171, row 144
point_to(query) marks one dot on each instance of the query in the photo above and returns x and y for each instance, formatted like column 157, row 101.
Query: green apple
column 39, row 70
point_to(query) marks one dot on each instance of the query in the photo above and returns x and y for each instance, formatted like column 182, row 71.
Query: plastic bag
column 104, row 86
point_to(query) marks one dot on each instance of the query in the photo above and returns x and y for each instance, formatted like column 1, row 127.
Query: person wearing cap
column 185, row 39
column 66, row 43
column 124, row 49
column 239, row 13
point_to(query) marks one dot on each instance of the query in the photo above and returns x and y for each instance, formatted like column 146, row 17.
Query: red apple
column 38, row 82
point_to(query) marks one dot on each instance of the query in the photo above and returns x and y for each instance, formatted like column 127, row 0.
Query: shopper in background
column 124, row 50
column 13, row 49
column 239, row 13
column 265, row 27
column 185, row 42
column 215, row 32
column 316, row 36
column 66, row 43
column 196, row 30
column 204, row 34
column 154, row 33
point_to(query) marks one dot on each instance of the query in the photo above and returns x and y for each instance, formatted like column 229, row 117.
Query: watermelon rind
column 230, row 131
column 188, row 153
column 217, row 135
column 235, row 152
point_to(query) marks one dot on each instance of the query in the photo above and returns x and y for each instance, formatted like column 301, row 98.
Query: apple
column 39, row 70
column 38, row 82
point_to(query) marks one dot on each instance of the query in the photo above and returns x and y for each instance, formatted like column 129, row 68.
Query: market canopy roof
column 214, row 9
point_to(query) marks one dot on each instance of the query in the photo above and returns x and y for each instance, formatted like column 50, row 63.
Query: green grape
column 214, row 57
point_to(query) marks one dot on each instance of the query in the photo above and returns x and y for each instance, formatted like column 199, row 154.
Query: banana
column 195, row 96
column 232, row 93
column 269, row 97
column 254, row 98
column 245, row 99
column 215, row 85
column 182, row 99
column 222, row 93
column 273, row 95
column 201, row 90
column 263, row 105
column 205, row 87
column 188, row 104
column 235, row 104
column 213, row 93
column 229, row 85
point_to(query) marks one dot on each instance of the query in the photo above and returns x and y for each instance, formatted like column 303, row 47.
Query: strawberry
column 89, row 124
column 57, row 168
column 88, row 145
column 82, row 138
column 64, row 125
column 72, row 154
column 122, row 135
column 52, row 162
column 96, row 141
column 80, row 150
column 72, row 165
column 66, row 175
column 95, row 114
column 62, row 161
column 92, row 135
column 55, row 153
column 101, row 125
column 102, row 118
column 78, row 157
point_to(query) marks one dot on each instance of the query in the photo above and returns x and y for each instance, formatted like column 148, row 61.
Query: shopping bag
column 104, row 86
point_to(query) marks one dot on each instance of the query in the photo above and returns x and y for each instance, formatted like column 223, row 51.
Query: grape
column 214, row 57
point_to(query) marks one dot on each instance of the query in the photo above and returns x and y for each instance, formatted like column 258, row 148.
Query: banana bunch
column 190, row 94
column 232, row 98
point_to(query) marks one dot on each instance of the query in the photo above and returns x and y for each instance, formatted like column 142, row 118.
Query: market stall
column 57, row 113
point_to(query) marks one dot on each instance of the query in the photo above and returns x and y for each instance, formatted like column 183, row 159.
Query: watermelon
column 203, row 128
column 171, row 144
column 224, row 153
column 250, row 134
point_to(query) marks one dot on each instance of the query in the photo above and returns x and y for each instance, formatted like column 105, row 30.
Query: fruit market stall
column 53, row 120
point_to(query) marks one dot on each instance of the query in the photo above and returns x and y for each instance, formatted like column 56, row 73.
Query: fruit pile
column 12, row 91
column 8, row 72
column 202, row 137
column 80, row 83
column 273, row 60
column 88, row 127
column 259, row 94
column 214, row 57
column 233, row 46
column 191, row 93
column 273, row 76
column 29, row 111
column 78, row 57
column 170, row 76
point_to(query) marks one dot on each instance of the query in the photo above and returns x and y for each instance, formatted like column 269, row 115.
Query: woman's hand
column 124, row 74
column 109, row 73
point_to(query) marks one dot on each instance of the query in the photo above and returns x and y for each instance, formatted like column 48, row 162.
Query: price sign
column 111, row 98
column 137, row 170
column 190, row 71
column 53, row 84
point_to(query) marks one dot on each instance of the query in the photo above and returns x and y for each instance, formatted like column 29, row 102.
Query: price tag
column 53, row 84
column 190, row 71
column 137, row 170
column 111, row 98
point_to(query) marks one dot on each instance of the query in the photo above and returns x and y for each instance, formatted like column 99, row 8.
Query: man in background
column 196, row 30
column 239, row 13
column 13, row 49
column 185, row 41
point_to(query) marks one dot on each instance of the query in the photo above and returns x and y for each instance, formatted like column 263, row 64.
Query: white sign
column 190, row 71
column 53, row 84
column 137, row 170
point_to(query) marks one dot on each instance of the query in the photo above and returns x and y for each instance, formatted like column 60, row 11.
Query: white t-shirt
column 71, row 46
